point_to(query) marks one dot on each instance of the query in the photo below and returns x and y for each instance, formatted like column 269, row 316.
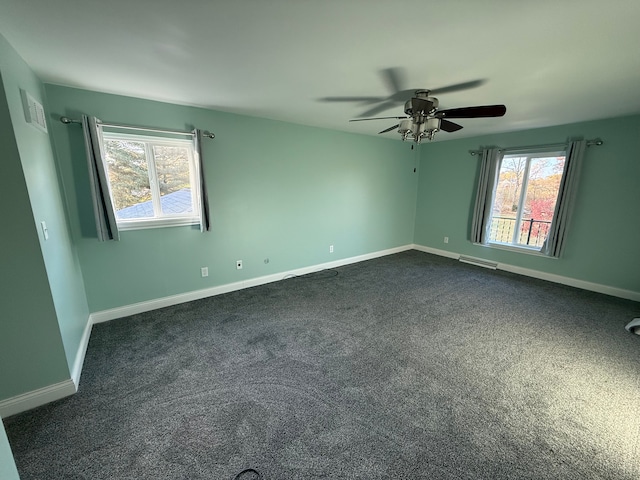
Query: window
column 153, row 180
column 524, row 198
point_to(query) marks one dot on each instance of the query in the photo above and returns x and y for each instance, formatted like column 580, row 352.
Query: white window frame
column 530, row 154
column 159, row 219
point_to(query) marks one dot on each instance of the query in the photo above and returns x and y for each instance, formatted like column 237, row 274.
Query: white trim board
column 42, row 396
column 551, row 277
column 36, row 398
column 436, row 251
column 140, row 307
column 80, row 354
column 146, row 306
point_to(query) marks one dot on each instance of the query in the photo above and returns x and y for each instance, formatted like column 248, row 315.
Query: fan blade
column 353, row 99
column 473, row 112
column 389, row 129
column 421, row 105
column 377, row 109
column 457, row 87
column 376, row 118
column 448, row 126
column 393, row 78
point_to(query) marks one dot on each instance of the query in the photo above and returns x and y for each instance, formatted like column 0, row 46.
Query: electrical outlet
column 446, row 239
column 239, row 265
column 204, row 271
column 330, row 248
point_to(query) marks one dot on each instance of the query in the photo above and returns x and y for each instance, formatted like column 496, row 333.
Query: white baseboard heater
column 479, row 262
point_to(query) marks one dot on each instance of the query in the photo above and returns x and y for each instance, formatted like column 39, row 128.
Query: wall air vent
column 479, row 262
column 33, row 112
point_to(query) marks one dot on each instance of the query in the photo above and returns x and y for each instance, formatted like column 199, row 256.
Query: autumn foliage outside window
column 525, row 197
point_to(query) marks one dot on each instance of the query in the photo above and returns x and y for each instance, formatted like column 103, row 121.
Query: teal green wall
column 44, row 309
column 31, row 349
column 47, row 204
column 277, row 190
column 8, row 470
column 603, row 245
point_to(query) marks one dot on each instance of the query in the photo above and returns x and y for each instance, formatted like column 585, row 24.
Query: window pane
column 540, row 199
column 129, row 178
column 174, row 180
column 505, row 205
column 525, row 198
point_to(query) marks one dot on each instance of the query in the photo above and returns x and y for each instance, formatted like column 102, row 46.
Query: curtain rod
column 206, row 133
column 590, row 143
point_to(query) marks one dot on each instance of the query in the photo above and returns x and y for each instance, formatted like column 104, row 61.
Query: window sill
column 512, row 248
column 157, row 223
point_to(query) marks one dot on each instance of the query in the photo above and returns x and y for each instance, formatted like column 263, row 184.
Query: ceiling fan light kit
column 410, row 130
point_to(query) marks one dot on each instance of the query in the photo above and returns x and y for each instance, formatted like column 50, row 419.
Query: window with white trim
column 524, row 198
column 153, row 180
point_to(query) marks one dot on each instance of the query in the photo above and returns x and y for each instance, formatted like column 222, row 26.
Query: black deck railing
column 532, row 232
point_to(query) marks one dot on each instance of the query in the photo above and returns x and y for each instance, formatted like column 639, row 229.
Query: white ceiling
column 549, row 62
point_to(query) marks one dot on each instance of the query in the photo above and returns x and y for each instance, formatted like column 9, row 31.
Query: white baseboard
column 572, row 282
column 135, row 308
column 551, row 277
column 42, row 396
column 82, row 351
column 36, row 398
column 436, row 251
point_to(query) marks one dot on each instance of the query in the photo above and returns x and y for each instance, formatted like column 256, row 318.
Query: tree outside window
column 151, row 179
column 525, row 198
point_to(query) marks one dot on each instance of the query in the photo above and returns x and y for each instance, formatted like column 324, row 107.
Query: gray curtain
column 205, row 222
column 482, row 208
column 106, row 226
column 566, row 198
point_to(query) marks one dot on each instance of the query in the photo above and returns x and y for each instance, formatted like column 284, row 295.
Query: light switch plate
column 45, row 230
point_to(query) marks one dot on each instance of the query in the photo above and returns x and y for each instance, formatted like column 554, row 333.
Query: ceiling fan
column 422, row 118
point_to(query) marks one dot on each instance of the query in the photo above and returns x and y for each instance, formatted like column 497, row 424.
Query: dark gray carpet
column 407, row 366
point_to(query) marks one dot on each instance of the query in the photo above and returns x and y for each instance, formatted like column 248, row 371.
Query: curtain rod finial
column 208, row 134
column 68, row 121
